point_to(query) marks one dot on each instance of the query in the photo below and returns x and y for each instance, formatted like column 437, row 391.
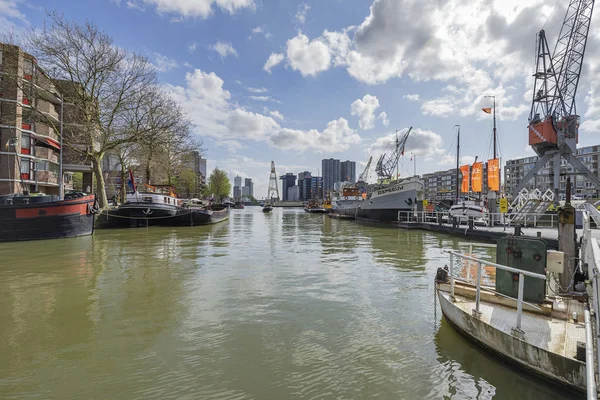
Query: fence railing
column 522, row 274
column 485, row 219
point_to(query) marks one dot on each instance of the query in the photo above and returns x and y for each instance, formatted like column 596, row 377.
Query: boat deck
column 557, row 334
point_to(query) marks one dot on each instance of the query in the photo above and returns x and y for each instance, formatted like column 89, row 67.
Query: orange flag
column 476, row 175
column 494, row 174
column 464, row 170
column 487, row 110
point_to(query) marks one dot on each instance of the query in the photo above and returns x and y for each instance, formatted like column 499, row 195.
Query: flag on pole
column 131, row 181
column 464, row 170
column 476, row 177
column 487, row 110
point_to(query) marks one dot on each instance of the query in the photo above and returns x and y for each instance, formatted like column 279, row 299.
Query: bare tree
column 109, row 91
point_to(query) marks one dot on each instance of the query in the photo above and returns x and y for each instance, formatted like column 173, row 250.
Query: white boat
column 466, row 209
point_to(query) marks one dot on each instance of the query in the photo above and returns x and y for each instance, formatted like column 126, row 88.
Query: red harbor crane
column 553, row 119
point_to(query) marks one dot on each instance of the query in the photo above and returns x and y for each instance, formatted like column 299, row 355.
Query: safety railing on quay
column 531, row 220
column 591, row 259
column 522, row 274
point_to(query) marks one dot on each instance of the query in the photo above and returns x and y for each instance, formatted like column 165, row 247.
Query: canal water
column 287, row 305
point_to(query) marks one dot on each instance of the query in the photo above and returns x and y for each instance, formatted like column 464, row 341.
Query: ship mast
column 457, row 160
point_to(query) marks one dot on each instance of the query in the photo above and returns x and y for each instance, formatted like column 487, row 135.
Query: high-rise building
column 316, row 187
column 331, row 173
column 250, row 185
column 293, row 193
column 237, row 188
column 348, row 171
column 246, row 191
column 304, row 191
column 202, row 168
column 287, row 181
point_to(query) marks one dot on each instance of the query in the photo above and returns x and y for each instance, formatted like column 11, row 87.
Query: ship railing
column 480, row 263
column 532, row 220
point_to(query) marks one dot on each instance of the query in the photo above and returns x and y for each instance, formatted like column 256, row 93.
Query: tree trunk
column 101, row 192
column 148, row 173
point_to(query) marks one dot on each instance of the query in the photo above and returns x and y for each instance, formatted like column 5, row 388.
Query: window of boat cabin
column 147, row 199
column 165, row 200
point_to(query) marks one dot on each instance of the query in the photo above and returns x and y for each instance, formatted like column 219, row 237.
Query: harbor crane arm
column 553, row 119
column 365, row 174
column 387, row 164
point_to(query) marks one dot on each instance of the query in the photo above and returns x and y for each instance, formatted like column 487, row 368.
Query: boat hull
column 384, row 204
column 550, row 366
column 53, row 220
column 129, row 217
column 316, row 210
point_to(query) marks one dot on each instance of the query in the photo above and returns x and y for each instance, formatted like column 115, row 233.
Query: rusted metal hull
column 496, row 337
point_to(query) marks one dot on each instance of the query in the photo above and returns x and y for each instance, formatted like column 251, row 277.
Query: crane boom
column 553, row 119
column 365, row 174
column 386, row 165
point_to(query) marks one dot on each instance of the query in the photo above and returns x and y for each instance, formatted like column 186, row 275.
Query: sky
column 295, row 82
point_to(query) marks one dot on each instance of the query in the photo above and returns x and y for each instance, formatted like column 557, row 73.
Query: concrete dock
column 487, row 234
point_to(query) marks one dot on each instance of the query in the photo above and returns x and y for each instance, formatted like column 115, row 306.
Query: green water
column 287, row 305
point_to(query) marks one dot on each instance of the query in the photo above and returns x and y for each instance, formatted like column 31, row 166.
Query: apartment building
column 29, row 119
column 515, row 170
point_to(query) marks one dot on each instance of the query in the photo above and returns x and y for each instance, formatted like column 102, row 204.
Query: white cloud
column 261, row 30
column 412, row 97
column 193, row 8
column 276, row 115
column 216, row 116
column 473, row 47
column 12, row 20
column 163, row 63
column 337, row 136
column 384, row 119
column 300, row 16
column 442, row 107
column 230, row 145
column 263, row 98
column 242, row 123
column 273, row 60
column 257, row 90
column 192, row 47
column 365, row 110
column 224, row 49
column 308, row 57
column 423, row 143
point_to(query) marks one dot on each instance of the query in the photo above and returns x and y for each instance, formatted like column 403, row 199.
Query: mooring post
column 566, row 237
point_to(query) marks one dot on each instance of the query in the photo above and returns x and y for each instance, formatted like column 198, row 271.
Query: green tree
column 187, row 181
column 218, row 185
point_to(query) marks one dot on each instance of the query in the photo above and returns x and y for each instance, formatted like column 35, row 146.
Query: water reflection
column 280, row 305
column 486, row 373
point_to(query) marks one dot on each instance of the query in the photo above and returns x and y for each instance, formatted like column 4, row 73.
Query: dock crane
column 553, row 119
column 365, row 174
column 386, row 165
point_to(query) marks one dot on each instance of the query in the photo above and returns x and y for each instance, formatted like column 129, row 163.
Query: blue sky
column 344, row 74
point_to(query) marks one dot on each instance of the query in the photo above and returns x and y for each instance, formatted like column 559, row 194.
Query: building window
column 25, row 144
column 25, row 169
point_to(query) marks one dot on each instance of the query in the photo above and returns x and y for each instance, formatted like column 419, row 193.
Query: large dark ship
column 159, row 206
column 37, row 216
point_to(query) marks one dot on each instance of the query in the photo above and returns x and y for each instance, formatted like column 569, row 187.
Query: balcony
column 45, row 153
column 43, row 129
column 47, row 177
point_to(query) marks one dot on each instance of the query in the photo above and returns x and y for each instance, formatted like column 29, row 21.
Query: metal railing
column 487, row 219
column 522, row 274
